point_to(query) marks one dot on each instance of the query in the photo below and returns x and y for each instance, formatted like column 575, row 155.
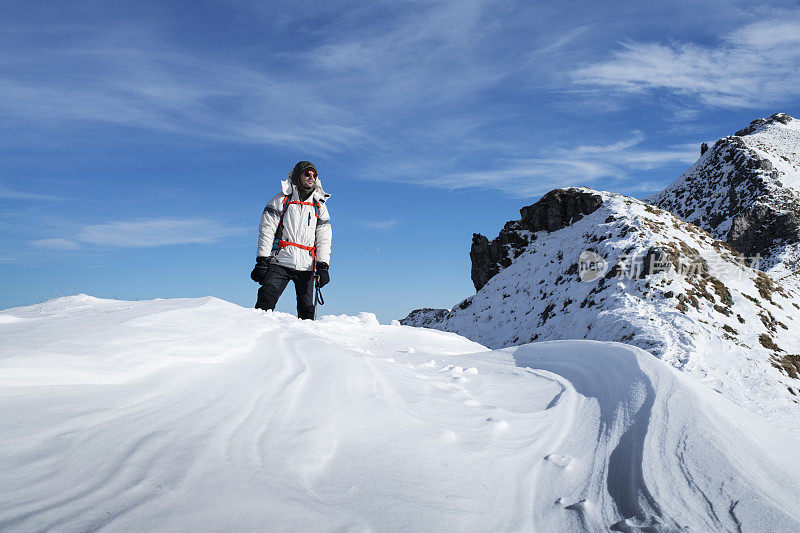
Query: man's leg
column 272, row 287
column 304, row 287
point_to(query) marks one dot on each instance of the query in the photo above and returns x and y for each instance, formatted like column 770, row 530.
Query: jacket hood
column 318, row 194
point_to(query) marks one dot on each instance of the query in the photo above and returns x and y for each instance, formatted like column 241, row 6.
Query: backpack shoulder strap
column 286, row 199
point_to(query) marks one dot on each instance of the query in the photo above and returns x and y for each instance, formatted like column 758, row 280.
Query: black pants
column 275, row 282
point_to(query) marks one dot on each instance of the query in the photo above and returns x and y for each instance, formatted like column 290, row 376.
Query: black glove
column 260, row 270
column 323, row 278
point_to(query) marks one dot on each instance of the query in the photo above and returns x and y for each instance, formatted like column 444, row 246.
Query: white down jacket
column 300, row 226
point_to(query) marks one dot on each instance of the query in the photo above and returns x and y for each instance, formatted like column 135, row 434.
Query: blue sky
column 141, row 140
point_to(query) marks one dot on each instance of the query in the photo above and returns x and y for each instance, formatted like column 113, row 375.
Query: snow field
column 201, row 415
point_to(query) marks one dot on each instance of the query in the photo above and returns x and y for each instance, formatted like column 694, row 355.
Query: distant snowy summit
column 745, row 190
column 596, row 265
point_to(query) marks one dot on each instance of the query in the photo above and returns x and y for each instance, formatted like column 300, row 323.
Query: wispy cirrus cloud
column 143, row 233
column 56, row 244
column 382, row 225
column 327, row 92
column 140, row 83
column 754, row 65
column 581, row 165
column 156, row 232
column 386, row 76
column 12, row 194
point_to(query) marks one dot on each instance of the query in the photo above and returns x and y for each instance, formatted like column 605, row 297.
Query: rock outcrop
column 556, row 210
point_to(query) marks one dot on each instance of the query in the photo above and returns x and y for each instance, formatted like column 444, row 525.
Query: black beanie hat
column 298, row 170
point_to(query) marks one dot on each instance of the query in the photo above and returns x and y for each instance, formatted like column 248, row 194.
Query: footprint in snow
column 498, row 425
column 581, row 506
column 559, row 460
column 457, row 374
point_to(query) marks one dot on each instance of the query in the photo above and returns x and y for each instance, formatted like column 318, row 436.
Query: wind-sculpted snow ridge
column 186, row 415
column 661, row 284
column 746, row 190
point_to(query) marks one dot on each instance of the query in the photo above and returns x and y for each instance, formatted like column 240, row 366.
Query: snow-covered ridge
column 196, row 414
column 746, row 190
column 777, row 138
column 705, row 311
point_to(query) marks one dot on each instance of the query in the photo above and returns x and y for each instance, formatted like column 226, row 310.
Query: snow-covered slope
column 705, row 312
column 746, row 190
column 186, row 415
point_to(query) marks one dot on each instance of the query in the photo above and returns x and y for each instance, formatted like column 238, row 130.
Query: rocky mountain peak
column 555, row 210
column 759, row 123
column 745, row 190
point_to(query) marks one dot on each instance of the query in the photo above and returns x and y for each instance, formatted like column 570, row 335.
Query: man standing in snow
column 294, row 241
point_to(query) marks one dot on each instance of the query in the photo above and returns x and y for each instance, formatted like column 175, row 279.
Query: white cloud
column 170, row 91
column 766, row 34
column 576, row 166
column 10, row 194
column 382, row 225
column 528, row 176
column 156, row 232
column 378, row 78
column 616, row 147
column 755, row 65
column 56, row 244
column 325, row 92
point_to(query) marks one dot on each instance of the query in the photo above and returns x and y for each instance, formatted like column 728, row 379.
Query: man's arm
column 270, row 219
column 323, row 235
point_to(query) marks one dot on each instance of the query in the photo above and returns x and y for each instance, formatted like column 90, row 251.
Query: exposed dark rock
column 465, row 303
column 555, row 210
column 423, row 317
column 789, row 364
column 488, row 258
column 757, row 228
column 558, row 209
column 484, row 262
column 656, row 260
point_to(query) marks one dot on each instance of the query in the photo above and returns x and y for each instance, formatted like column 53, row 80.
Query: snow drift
column 199, row 414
